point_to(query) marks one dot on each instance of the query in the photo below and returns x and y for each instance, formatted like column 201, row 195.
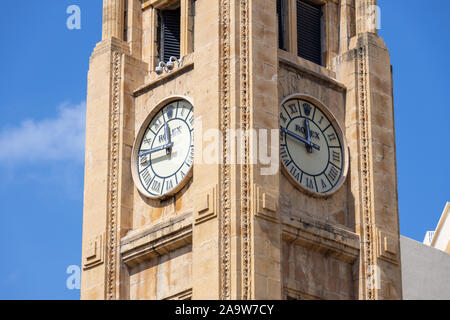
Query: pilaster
column 260, row 186
column 366, row 71
column 113, row 19
column 113, row 74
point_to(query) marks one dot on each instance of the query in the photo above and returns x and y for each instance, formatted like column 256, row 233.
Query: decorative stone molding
column 108, row 46
column 321, row 237
column 265, row 204
column 205, row 205
column 95, row 252
column 158, row 4
column 369, row 246
column 225, row 170
column 183, row 295
column 158, row 239
column 246, row 217
column 113, row 189
column 292, row 294
column 310, row 70
column 387, row 247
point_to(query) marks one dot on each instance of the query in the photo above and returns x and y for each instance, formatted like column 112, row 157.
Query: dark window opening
column 125, row 22
column 281, row 17
column 309, row 29
column 169, row 30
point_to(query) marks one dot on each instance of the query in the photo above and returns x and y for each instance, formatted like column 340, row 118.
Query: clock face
column 312, row 147
column 163, row 154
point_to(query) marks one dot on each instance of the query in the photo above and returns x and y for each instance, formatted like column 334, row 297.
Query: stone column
column 113, row 17
column 366, row 16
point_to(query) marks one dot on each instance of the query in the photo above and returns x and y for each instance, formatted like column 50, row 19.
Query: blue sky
column 43, row 85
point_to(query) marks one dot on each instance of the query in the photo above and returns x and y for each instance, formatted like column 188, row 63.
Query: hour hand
column 164, row 147
column 296, row 136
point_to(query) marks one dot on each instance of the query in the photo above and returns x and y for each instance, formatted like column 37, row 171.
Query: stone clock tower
column 240, row 149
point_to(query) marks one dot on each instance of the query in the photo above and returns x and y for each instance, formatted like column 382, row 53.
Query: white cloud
column 59, row 138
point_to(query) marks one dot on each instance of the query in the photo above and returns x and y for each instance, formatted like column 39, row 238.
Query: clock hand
column 308, row 136
column 293, row 135
column 168, row 138
column 164, row 147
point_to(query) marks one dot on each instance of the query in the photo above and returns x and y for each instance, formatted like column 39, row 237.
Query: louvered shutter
column 309, row 31
column 170, row 34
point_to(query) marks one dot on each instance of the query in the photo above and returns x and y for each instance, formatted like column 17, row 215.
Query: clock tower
column 240, row 149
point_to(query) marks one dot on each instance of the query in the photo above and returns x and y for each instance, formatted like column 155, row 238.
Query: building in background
column 426, row 266
column 425, row 271
column 440, row 238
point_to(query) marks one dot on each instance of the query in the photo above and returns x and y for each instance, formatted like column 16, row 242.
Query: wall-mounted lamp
column 168, row 67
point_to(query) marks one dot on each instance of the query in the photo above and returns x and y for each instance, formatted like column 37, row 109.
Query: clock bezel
column 138, row 141
column 333, row 120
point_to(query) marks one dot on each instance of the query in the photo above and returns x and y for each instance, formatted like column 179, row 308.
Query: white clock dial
column 164, row 150
column 312, row 147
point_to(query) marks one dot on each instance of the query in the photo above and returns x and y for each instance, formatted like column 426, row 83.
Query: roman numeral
column 321, row 119
column 144, row 160
column 148, row 141
column 333, row 174
column 283, row 118
column 156, row 186
column 191, row 157
column 170, row 112
column 169, row 185
column 309, row 183
column 324, row 185
column 332, row 137
column 336, row 156
column 293, row 171
column 147, row 178
column 157, row 124
column 285, row 157
column 293, row 108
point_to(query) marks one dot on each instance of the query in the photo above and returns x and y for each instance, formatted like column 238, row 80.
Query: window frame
column 187, row 15
column 329, row 32
column 320, row 8
column 161, row 41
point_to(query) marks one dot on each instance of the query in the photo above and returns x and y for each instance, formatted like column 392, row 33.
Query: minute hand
column 308, row 136
column 293, row 135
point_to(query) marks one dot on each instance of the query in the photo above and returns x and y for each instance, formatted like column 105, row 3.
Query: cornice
column 322, row 237
column 157, row 239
